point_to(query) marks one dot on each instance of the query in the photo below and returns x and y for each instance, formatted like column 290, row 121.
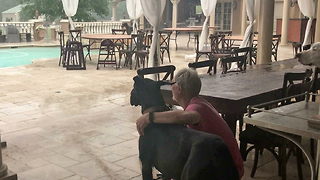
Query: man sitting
column 198, row 113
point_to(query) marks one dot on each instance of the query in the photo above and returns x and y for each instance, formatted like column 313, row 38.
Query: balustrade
column 87, row 27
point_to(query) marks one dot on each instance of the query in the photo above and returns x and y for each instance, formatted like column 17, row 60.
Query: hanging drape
column 307, row 9
column 135, row 11
column 207, row 7
column 70, row 8
column 252, row 12
column 152, row 10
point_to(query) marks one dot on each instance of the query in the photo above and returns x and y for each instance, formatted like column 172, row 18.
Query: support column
column 317, row 33
column 243, row 18
column 174, row 12
column 212, row 18
column 141, row 24
column 285, row 22
column 265, row 31
column 114, row 11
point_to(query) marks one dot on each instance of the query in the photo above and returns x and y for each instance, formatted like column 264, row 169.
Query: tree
column 53, row 9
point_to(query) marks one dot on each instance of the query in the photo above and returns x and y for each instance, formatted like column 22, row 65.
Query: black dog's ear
column 161, row 83
column 138, row 79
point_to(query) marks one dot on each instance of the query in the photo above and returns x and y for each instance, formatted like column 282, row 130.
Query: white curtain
column 70, row 8
column 207, row 7
column 307, row 8
column 135, row 11
column 252, row 12
column 152, row 10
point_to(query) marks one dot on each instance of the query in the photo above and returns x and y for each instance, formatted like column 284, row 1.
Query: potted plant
column 78, row 26
column 41, row 31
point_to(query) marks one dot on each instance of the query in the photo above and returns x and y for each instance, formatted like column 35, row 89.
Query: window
column 223, row 13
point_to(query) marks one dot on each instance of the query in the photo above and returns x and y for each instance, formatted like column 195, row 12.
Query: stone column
column 212, row 18
column 265, row 31
column 317, row 32
column 174, row 12
column 114, row 10
column 285, row 22
column 141, row 24
column 243, row 18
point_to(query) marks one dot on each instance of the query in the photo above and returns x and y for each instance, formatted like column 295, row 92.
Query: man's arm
column 168, row 117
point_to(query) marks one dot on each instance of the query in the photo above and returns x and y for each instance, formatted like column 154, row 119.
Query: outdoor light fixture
column 293, row 3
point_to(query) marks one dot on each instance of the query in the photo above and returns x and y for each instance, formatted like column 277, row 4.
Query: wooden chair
column 205, row 51
column 211, row 63
column 129, row 50
column 164, row 43
column 275, row 45
column 76, row 36
column 169, row 70
column 261, row 139
column 62, row 48
column 240, row 57
column 118, row 43
column 107, row 53
column 74, row 56
column 142, row 51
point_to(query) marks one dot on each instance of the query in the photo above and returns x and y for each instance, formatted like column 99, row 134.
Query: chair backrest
column 208, row 63
column 169, row 70
column 240, row 60
column 165, row 38
column 296, row 83
column 217, row 43
column 132, row 46
column 140, row 41
column 61, row 39
column 315, row 82
column 275, row 42
column 76, row 35
column 107, row 44
column 118, row 31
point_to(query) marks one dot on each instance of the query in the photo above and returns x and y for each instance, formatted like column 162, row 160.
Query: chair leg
column 255, row 163
column 169, row 55
column 312, row 148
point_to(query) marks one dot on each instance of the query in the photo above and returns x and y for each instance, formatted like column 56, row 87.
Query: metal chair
column 142, row 51
column 107, row 55
column 261, row 139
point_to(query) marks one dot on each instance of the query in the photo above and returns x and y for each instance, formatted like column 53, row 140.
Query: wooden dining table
column 95, row 38
column 231, row 93
column 188, row 30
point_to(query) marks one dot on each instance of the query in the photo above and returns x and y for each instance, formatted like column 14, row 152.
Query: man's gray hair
column 189, row 81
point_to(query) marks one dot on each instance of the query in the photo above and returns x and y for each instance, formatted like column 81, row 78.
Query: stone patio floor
column 79, row 125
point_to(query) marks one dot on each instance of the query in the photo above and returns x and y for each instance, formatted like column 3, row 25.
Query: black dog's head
column 146, row 93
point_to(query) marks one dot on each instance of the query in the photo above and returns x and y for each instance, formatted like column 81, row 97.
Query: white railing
column 23, row 27
column 88, row 27
column 99, row 27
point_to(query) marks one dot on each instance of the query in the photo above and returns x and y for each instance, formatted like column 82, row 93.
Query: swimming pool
column 23, row 55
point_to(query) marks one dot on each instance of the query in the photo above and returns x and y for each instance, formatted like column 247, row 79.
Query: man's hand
column 142, row 122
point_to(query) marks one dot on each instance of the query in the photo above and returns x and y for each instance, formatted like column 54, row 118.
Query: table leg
column 318, row 160
column 175, row 40
column 231, row 121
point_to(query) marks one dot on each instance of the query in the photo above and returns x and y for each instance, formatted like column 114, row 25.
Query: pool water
column 23, row 56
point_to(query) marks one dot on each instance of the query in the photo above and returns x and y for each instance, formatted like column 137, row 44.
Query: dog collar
column 156, row 109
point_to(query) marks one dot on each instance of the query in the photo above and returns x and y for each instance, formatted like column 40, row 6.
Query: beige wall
column 236, row 18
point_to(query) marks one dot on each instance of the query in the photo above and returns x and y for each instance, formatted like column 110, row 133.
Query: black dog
column 129, row 29
column 176, row 151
